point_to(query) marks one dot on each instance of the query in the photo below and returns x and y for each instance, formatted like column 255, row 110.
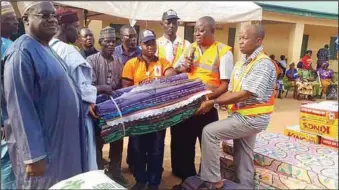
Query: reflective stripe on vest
column 162, row 52
column 251, row 110
column 206, row 66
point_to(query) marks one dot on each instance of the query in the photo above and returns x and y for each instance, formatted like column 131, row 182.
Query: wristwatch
column 216, row 104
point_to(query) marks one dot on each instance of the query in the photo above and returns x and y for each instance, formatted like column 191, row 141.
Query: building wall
column 155, row 26
column 298, row 19
column 277, row 38
column 95, row 26
column 221, row 34
column 278, row 31
column 101, row 21
column 318, row 37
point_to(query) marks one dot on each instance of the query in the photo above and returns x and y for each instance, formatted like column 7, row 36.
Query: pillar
column 81, row 16
column 295, row 42
column 181, row 31
column 96, row 26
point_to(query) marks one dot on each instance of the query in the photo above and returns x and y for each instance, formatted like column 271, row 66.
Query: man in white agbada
column 78, row 69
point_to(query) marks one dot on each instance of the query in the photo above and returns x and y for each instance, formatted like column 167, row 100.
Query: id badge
column 157, row 71
column 109, row 80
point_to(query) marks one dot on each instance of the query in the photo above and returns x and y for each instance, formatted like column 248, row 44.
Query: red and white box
column 329, row 142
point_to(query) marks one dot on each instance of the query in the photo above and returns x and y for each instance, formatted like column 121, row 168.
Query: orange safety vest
column 180, row 48
column 206, row 66
column 252, row 110
column 277, row 68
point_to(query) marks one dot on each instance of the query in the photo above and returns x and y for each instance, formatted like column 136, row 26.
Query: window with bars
column 304, row 45
column 333, row 49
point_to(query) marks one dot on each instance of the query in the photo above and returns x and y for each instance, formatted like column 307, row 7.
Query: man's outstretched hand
column 36, row 169
column 92, row 112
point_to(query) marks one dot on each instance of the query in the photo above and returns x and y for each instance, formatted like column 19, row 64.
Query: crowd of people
column 50, row 89
column 305, row 79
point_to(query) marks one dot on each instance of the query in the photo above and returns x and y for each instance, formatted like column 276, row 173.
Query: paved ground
column 286, row 113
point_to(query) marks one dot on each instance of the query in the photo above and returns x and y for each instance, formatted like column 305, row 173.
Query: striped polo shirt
column 260, row 82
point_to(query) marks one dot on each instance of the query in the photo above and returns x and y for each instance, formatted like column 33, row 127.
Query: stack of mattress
column 284, row 162
column 149, row 107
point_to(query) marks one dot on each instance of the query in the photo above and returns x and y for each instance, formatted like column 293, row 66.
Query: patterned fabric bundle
column 149, row 107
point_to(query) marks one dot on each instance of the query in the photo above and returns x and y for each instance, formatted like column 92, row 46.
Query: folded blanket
column 150, row 107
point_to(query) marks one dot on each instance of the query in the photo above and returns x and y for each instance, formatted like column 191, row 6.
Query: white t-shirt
column 169, row 46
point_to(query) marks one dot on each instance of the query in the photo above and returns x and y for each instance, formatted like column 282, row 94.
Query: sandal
column 209, row 186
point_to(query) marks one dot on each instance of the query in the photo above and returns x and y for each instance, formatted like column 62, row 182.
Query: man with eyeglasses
column 107, row 71
column 127, row 50
column 87, row 43
column 45, row 135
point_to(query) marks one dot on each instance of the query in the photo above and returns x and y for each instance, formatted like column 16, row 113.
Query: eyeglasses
column 131, row 36
column 45, row 15
column 108, row 41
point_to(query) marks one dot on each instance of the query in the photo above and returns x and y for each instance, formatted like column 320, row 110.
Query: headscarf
column 23, row 6
column 66, row 16
column 6, row 7
column 107, row 32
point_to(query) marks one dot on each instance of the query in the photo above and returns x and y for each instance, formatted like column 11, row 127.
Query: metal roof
column 317, row 9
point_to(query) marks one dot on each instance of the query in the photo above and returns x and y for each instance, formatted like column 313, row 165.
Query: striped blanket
column 149, row 107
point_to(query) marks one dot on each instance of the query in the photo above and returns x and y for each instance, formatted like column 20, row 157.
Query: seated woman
column 326, row 77
column 307, row 85
column 304, row 88
column 310, row 76
column 292, row 76
column 299, row 82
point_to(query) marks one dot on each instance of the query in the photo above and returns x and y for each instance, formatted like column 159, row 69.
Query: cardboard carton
column 295, row 132
column 320, row 119
column 329, row 142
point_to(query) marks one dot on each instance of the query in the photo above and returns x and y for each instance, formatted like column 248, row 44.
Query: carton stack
column 295, row 132
column 318, row 124
column 284, row 162
column 321, row 119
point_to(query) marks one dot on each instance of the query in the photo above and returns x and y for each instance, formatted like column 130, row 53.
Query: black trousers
column 115, row 155
column 183, row 140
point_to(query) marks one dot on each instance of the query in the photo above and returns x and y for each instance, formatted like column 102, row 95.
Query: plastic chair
column 288, row 85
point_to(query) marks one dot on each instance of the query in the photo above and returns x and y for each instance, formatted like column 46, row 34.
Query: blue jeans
column 7, row 174
column 148, row 156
